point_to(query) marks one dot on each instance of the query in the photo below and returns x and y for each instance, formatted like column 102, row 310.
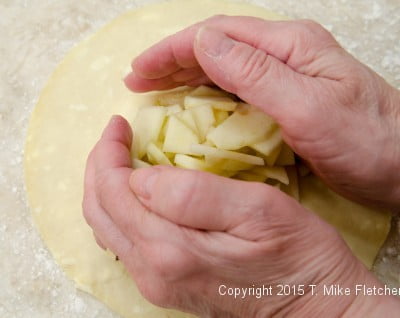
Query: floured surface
column 35, row 36
column 68, row 121
column 82, row 94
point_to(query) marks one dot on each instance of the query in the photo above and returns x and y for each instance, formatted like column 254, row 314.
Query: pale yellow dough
column 84, row 91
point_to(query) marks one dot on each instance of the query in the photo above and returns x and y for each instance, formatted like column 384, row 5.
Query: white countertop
column 34, row 37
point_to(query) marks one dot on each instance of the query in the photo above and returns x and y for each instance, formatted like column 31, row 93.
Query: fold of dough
column 82, row 94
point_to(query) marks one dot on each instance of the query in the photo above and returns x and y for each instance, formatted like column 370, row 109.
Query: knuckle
column 304, row 37
column 309, row 30
column 310, row 24
column 107, row 189
column 157, row 296
column 254, row 211
column 87, row 210
column 104, row 184
column 310, row 41
column 266, row 194
column 354, row 90
column 116, row 200
column 276, row 245
column 90, row 157
column 154, row 292
column 267, row 218
column 99, row 242
column 354, row 86
column 166, row 266
column 216, row 17
column 169, row 262
column 255, row 68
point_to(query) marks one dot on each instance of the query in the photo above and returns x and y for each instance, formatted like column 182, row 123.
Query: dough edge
column 83, row 115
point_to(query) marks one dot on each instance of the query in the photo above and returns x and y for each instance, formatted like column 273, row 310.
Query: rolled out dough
column 82, row 94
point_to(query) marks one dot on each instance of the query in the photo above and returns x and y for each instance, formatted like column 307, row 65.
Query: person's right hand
column 335, row 112
column 190, row 238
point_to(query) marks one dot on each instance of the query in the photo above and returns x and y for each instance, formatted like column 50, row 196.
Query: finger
column 106, row 233
column 155, row 239
column 204, row 80
column 200, row 200
column 179, row 78
column 116, row 216
column 113, row 148
column 125, row 210
column 273, row 68
column 289, row 42
column 106, row 190
column 140, row 84
column 250, row 73
column 98, row 241
column 168, row 56
column 112, row 169
column 187, row 74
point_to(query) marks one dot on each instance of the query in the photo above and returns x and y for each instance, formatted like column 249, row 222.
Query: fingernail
column 142, row 181
column 128, row 75
column 113, row 119
column 100, row 243
column 214, row 43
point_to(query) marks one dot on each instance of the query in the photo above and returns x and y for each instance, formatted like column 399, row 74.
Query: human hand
column 183, row 234
column 335, row 112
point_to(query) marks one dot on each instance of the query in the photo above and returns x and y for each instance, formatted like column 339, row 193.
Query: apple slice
column 146, row 127
column 234, row 165
column 187, row 118
column 243, row 128
column 247, row 176
column 205, row 129
column 277, row 173
column 221, row 103
column 137, row 164
column 226, row 154
column 173, row 109
column 170, row 155
column 292, row 188
column 303, row 170
column 227, row 164
column 269, row 144
column 271, row 158
column 204, row 118
column 173, row 97
column 179, row 137
column 286, row 157
column 220, row 116
column 208, row 91
column 212, row 160
column 156, row 156
column 227, row 173
column 188, row 162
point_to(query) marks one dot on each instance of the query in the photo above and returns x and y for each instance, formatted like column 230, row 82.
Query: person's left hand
column 187, row 236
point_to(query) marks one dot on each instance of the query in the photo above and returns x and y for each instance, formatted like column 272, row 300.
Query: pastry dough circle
column 82, row 94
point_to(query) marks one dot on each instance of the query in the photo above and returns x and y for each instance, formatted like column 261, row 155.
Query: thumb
column 250, row 73
column 205, row 201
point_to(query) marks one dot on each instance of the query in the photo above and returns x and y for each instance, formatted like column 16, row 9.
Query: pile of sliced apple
column 207, row 129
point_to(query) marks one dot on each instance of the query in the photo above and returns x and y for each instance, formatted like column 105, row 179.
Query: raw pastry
column 82, row 94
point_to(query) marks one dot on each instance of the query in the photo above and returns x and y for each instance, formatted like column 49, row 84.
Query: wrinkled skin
column 182, row 234
column 335, row 112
